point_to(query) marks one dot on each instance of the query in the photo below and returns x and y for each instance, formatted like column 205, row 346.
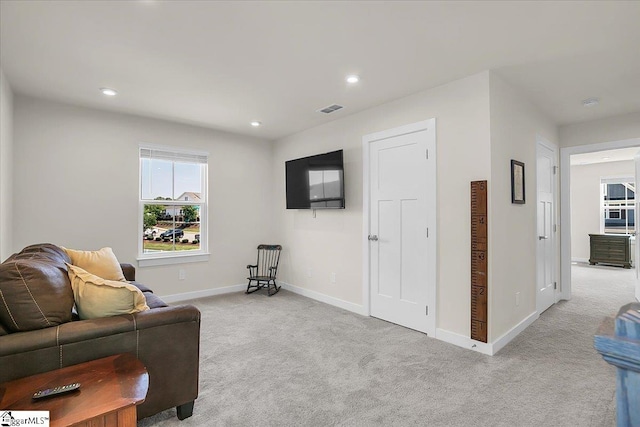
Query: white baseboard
column 464, row 342
column 356, row 308
column 486, row 348
column 204, row 293
column 583, row 260
column 513, row 332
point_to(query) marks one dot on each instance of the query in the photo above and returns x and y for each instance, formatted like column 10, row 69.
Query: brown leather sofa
column 166, row 339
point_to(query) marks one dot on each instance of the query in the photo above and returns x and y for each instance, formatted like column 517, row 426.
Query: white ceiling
column 224, row 64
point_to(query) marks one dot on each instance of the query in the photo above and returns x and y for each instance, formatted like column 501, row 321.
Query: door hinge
column 427, row 232
column 555, row 285
column 426, row 310
column 427, row 154
column 555, row 170
column 555, row 227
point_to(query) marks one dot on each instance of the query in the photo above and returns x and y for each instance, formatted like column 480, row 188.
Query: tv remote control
column 55, row 391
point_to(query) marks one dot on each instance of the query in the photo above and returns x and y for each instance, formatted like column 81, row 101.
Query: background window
column 173, row 203
column 618, row 205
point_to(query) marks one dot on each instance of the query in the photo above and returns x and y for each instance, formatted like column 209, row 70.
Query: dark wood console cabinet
column 610, row 249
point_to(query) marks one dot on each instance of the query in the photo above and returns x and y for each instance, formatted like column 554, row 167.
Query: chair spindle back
column 268, row 259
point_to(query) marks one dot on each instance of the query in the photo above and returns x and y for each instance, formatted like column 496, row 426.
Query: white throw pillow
column 97, row 297
column 103, row 263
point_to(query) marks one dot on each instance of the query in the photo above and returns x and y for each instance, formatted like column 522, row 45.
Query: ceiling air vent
column 330, row 109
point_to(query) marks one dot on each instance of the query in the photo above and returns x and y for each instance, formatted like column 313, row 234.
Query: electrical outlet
column 332, row 277
column 517, row 299
column 182, row 274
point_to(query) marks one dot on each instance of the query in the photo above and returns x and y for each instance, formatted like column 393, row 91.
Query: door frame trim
column 541, row 141
column 636, row 205
column 565, row 207
column 429, row 124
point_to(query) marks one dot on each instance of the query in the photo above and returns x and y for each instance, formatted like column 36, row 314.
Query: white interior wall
column 585, row 201
column 515, row 124
column 617, row 128
column 6, row 168
column 76, row 185
column 332, row 242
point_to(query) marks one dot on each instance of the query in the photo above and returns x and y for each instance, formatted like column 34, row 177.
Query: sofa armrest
column 129, row 272
column 165, row 339
column 95, row 328
column 167, row 315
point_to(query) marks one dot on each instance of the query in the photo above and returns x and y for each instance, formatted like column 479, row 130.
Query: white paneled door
column 401, row 235
column 546, row 242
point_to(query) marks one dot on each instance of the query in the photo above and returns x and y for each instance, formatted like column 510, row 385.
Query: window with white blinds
column 174, row 156
column 173, row 204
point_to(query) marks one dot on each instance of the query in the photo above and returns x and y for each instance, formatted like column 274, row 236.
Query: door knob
column 373, row 237
column 543, row 237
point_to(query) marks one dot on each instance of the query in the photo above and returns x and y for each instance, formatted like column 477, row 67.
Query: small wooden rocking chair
column 265, row 270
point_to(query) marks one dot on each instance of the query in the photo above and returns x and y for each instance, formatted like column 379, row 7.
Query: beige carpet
column 292, row 361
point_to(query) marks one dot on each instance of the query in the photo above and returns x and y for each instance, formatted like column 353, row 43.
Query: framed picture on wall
column 517, row 182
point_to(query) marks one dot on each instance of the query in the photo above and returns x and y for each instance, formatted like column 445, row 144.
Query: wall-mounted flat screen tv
column 315, row 182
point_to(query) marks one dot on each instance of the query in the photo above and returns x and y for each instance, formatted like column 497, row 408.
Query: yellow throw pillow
column 97, row 297
column 102, row 263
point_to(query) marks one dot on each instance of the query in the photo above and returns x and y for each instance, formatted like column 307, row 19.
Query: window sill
column 172, row 259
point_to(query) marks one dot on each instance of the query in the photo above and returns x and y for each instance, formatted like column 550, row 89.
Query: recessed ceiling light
column 255, row 124
column 590, row 102
column 108, row 92
column 353, row 79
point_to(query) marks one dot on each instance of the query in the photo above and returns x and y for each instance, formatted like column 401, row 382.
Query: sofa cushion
column 35, row 292
column 153, row 301
column 48, row 251
column 103, row 263
column 143, row 288
column 97, row 297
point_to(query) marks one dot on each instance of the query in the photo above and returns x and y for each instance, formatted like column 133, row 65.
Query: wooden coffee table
column 110, row 389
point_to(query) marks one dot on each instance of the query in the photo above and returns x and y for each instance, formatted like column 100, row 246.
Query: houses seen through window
column 174, row 202
column 618, row 205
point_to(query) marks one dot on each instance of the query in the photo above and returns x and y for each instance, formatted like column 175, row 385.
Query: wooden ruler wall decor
column 479, row 282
